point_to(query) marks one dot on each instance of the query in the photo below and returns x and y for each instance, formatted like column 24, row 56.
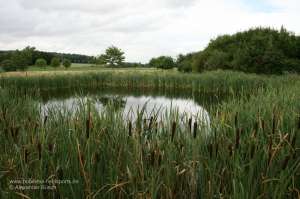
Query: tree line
column 257, row 50
column 21, row 59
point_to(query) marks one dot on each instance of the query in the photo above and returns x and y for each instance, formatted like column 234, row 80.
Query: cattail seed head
column 294, row 141
column 130, row 128
column 285, row 162
column 45, row 119
column 195, row 129
column 274, row 124
column 150, row 123
column 173, row 130
column 26, row 155
column 87, row 130
column 39, row 147
column 96, row 158
column 50, row 147
column 190, row 125
column 237, row 138
column 60, row 173
column 236, row 120
column 230, row 149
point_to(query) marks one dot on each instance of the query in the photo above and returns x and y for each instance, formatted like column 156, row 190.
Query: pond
column 158, row 105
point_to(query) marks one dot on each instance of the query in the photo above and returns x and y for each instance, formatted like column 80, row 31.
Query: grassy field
column 79, row 69
column 253, row 150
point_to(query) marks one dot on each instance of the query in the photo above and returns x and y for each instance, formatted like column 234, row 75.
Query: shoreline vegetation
column 253, row 150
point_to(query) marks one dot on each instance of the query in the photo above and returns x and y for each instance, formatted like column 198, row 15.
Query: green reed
column 252, row 149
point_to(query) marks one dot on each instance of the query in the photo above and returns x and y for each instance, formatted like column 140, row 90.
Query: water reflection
column 158, row 107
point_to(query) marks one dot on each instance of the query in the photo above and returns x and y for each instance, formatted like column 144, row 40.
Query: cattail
column 45, row 119
column 237, row 138
column 12, row 132
column 50, row 147
column 255, row 129
column 36, row 125
column 298, row 123
column 96, row 158
column 39, row 147
column 130, row 128
column 217, row 149
column 173, row 130
column 230, row 148
column 60, row 173
column 145, row 124
column 236, row 120
column 155, row 126
column 273, row 124
column 88, row 126
column 195, row 129
column 285, row 162
column 152, row 158
column 159, row 159
column 150, row 123
column 82, row 158
column 26, row 154
column 190, row 124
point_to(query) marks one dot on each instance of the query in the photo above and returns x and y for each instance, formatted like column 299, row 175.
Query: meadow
column 252, row 150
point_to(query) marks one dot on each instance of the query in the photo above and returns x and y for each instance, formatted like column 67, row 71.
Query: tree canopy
column 113, row 57
column 259, row 50
column 163, row 62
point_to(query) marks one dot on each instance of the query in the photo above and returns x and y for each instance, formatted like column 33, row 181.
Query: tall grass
column 252, row 151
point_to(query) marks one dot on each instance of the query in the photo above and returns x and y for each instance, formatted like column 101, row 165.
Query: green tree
column 55, row 62
column 7, row 65
column 164, row 62
column 113, row 57
column 67, row 63
column 41, row 62
column 22, row 59
column 258, row 50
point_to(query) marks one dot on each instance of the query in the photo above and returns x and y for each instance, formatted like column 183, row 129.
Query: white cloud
column 143, row 29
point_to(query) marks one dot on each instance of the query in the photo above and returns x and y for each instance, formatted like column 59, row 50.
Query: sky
column 141, row 28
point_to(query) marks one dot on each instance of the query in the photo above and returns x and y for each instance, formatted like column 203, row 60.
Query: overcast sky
column 142, row 28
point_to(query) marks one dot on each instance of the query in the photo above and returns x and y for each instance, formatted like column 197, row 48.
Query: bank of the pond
column 214, row 82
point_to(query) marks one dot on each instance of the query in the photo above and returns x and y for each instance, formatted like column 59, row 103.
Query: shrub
column 7, row 65
column 164, row 62
column 67, row 63
column 55, row 62
column 41, row 62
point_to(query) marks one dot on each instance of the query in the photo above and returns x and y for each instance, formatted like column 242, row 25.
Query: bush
column 55, row 62
column 67, row 63
column 163, row 62
column 41, row 62
column 7, row 65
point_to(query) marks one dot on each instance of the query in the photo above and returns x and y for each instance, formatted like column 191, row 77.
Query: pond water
column 157, row 105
